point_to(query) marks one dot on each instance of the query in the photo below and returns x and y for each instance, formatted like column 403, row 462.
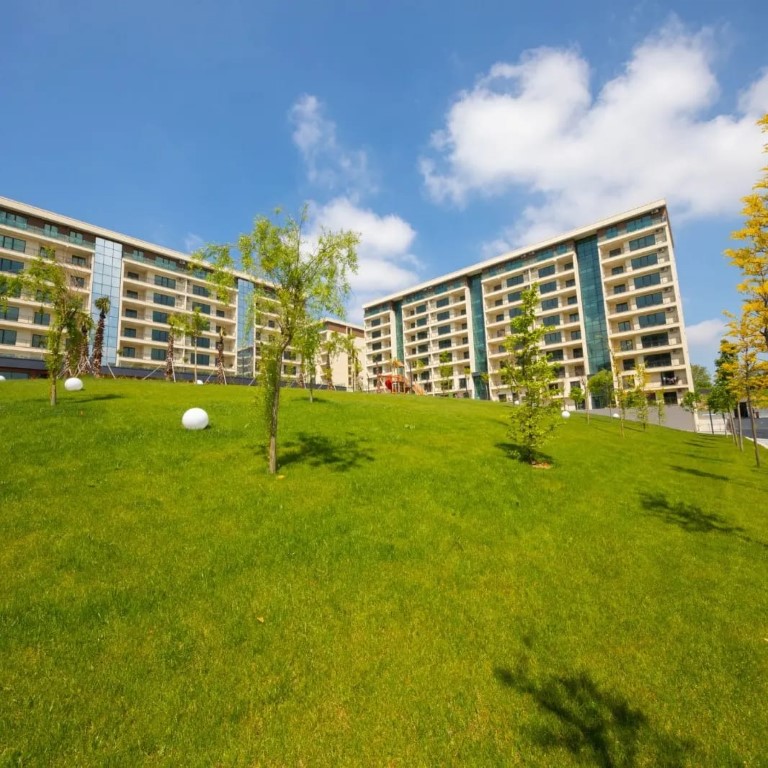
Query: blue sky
column 443, row 131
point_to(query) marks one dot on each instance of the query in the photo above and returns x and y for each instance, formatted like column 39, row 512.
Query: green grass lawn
column 404, row 594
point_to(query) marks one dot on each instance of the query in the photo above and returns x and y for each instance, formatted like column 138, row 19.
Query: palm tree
column 177, row 325
column 103, row 304
column 86, row 326
column 220, row 378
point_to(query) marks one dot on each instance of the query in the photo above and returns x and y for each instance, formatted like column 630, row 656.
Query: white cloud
column 649, row 132
column 192, row 242
column 704, row 341
column 386, row 263
column 329, row 165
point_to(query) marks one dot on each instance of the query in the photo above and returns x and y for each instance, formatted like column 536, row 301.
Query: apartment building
column 345, row 368
column 145, row 283
column 609, row 299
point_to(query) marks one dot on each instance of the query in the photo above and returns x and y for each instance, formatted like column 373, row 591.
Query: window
column 205, row 343
column 10, row 313
column 547, row 271
column 132, row 313
column 645, row 280
column 655, row 340
column 626, row 345
column 663, row 360
column 442, row 344
column 617, row 271
column 14, row 219
column 158, row 335
column 515, row 312
column 628, row 364
column 573, row 317
column 553, row 338
column 516, row 280
column 550, row 304
column 642, row 242
column 158, row 354
column 570, row 283
column 421, row 308
column 625, row 326
column 7, row 337
column 376, row 345
column 556, row 355
column 39, row 340
column 165, row 282
column 129, row 351
column 645, row 261
column 515, row 296
column 422, row 349
column 206, row 360
column 567, row 266
column 131, row 275
column 550, row 321
column 160, row 317
column 651, row 300
column 421, row 322
column 375, row 322
column 200, row 290
column 376, row 335
column 622, row 307
column 11, row 265
column 612, row 232
column 13, row 244
column 160, row 298
column 133, row 294
column 614, row 252
column 548, row 287
column 129, row 333
column 41, row 318
column 578, row 352
column 443, row 302
column 443, row 329
column 575, row 335
column 51, row 230
column 572, row 300
column 499, row 318
column 422, row 335
column 79, row 261
column 77, row 282
column 220, row 313
column 440, row 316
column 204, row 308
column 75, row 237
column 641, row 223
column 622, row 288
column 657, row 318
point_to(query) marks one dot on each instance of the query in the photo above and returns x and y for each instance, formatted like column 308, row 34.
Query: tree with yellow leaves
column 752, row 257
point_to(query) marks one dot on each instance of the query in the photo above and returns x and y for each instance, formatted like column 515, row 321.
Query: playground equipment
column 395, row 382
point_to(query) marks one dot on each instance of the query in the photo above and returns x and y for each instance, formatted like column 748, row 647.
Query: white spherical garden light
column 73, row 384
column 199, row 381
column 2, row 378
column 195, row 418
column 566, row 414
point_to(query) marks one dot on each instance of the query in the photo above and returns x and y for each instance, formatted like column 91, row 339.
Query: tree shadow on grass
column 692, row 518
column 699, row 473
column 517, row 452
column 340, row 454
column 94, row 398
column 597, row 727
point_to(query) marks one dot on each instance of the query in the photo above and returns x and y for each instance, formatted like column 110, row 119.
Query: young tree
column 702, row 381
column 749, row 371
column 661, row 409
column 103, row 304
column 331, row 347
column 177, row 326
column 196, row 325
column 308, row 343
column 445, row 371
column 467, row 374
column 86, row 325
column 46, row 280
column 601, row 386
column 305, row 281
column 752, row 258
column 640, row 395
column 220, row 376
column 530, row 373
column 722, row 398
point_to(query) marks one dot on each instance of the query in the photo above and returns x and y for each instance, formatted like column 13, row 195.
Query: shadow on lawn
column 340, row 454
column 698, row 473
column 93, row 398
column 516, row 452
column 692, row 518
column 597, row 727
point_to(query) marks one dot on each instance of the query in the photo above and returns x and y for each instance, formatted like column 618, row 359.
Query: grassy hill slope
column 406, row 593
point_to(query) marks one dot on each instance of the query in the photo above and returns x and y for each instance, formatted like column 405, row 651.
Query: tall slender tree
column 103, row 304
column 196, row 325
column 299, row 280
column 177, row 326
column 530, row 373
column 220, row 375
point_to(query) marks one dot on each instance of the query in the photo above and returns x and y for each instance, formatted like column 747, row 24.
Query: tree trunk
column 169, row 359
column 53, row 389
column 741, row 430
column 98, row 346
column 273, row 422
column 194, row 346
column 754, row 431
